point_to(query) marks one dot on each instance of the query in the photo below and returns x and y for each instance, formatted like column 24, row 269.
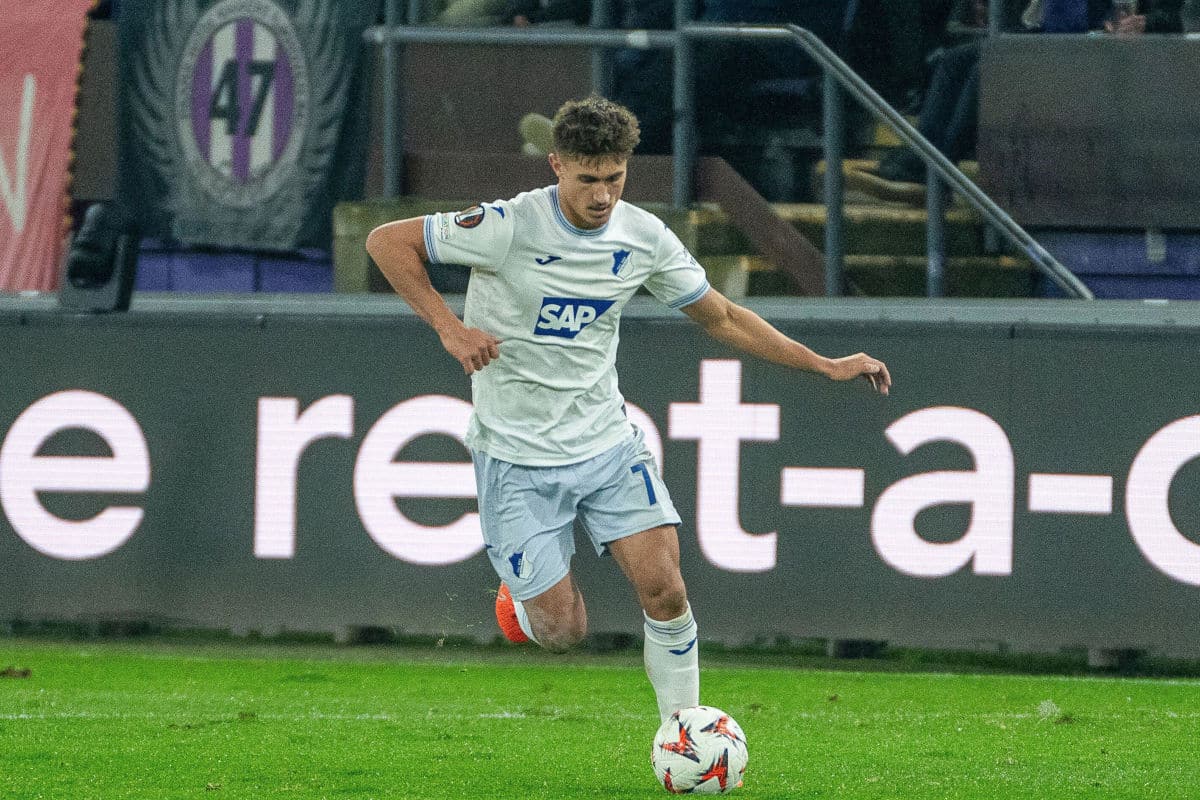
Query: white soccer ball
column 699, row 750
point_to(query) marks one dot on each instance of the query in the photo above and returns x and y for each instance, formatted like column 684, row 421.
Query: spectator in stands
column 724, row 70
column 889, row 44
column 1112, row 16
column 949, row 115
column 1149, row 16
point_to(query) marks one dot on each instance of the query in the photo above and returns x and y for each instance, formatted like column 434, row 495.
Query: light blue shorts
column 528, row 513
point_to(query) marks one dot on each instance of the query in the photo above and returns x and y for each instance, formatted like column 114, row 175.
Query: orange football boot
column 506, row 616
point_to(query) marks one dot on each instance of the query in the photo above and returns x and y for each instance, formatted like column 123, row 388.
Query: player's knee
column 561, row 636
column 558, row 627
column 666, row 599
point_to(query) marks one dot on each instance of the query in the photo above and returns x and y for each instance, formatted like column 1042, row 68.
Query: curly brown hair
column 594, row 129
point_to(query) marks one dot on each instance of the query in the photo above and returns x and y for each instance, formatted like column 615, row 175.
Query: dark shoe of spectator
column 902, row 166
column 873, row 182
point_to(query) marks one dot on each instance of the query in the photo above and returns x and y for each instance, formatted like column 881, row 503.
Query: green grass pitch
column 159, row 720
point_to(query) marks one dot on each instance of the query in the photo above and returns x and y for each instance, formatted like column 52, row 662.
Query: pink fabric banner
column 41, row 42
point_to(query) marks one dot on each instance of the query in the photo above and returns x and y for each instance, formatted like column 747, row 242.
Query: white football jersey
column 553, row 294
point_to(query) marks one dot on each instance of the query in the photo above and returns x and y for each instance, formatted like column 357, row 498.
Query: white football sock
column 523, row 620
column 673, row 662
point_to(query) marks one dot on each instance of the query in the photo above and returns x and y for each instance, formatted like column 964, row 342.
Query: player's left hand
column 860, row 364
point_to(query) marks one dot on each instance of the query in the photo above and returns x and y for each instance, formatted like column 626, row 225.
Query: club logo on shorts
column 567, row 316
column 470, row 217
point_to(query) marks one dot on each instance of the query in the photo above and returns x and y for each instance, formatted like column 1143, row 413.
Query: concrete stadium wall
column 274, row 463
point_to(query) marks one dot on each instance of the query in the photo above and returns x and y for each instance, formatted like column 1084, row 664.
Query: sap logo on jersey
column 567, row 316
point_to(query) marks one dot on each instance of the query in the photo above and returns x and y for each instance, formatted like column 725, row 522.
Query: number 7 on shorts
column 646, row 477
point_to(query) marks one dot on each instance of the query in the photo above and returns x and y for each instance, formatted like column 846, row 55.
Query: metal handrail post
column 935, row 233
column 392, row 128
column 602, row 78
column 683, row 132
column 995, row 17
column 835, row 242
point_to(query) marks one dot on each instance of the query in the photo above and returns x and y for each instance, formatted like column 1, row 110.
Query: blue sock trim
column 671, row 627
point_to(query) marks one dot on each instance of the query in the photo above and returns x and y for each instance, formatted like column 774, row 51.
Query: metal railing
column 837, row 76
column 939, row 168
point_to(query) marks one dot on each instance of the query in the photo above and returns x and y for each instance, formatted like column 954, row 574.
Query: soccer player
column 551, row 271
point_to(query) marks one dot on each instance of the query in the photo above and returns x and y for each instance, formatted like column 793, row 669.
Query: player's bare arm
column 741, row 328
column 399, row 250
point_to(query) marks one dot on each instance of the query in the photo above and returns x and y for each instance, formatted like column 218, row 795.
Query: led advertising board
column 1023, row 484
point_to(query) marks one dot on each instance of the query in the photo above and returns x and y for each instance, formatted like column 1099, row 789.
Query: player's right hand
column 472, row 348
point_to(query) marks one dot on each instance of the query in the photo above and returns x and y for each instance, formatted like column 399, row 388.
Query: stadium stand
column 775, row 145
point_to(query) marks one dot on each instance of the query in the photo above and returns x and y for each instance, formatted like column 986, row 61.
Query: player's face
column 588, row 190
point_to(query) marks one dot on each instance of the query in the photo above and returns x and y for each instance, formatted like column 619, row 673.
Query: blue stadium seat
column 166, row 268
column 1127, row 264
